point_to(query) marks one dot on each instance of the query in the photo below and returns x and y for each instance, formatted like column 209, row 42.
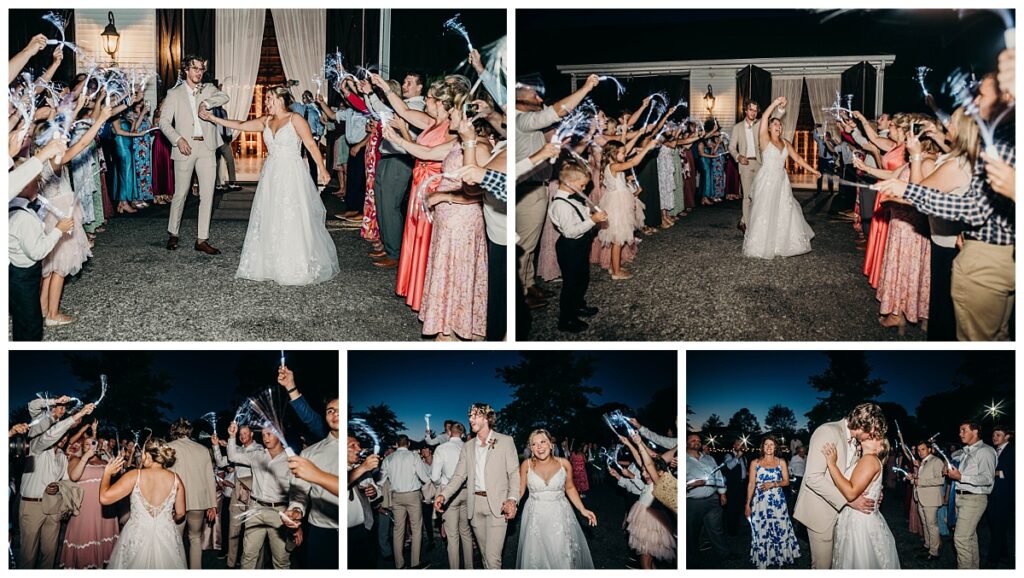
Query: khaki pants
column 202, row 162
column 969, row 509
column 531, row 212
column 489, row 531
column 236, row 507
column 456, row 528
column 406, row 506
column 747, row 174
column 983, row 291
column 930, row 521
column 265, row 526
column 192, row 528
column 821, row 548
column 39, row 534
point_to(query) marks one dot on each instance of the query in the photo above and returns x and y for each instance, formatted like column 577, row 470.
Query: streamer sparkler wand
column 454, row 25
column 619, row 88
column 426, row 418
column 942, row 454
column 899, row 470
column 103, row 389
column 60, row 22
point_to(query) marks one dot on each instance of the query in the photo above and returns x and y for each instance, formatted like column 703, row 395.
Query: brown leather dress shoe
column 386, row 263
column 535, row 302
column 172, row 243
column 207, row 248
column 376, row 254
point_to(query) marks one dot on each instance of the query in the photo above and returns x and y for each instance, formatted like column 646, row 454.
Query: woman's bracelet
column 468, row 144
column 914, row 158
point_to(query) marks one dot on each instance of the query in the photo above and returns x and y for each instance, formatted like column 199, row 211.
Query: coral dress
column 412, row 262
column 875, row 256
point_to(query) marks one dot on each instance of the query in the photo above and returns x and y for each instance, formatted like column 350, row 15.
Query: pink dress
column 906, row 279
column 880, row 221
column 92, row 534
column 547, row 261
column 455, row 286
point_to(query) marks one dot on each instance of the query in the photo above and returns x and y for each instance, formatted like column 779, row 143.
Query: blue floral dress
column 773, row 542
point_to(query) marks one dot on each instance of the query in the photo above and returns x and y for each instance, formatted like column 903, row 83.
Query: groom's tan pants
column 821, row 548
column 747, row 174
column 202, row 162
column 192, row 528
column 489, row 531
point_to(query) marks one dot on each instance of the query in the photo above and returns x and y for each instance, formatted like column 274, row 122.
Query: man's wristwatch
column 290, row 389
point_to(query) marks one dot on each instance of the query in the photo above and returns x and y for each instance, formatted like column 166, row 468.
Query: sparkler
column 210, row 418
column 47, row 207
column 454, row 25
column 265, row 414
column 282, row 358
column 60, row 22
column 745, row 440
column 658, row 101
column 103, row 389
column 960, row 86
column 901, row 471
column 619, row 88
column 574, row 124
column 994, row 410
column 426, row 418
column 615, row 418
column 360, row 425
column 934, row 437
column 942, row 454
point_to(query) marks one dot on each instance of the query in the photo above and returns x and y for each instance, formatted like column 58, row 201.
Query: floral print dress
column 773, row 542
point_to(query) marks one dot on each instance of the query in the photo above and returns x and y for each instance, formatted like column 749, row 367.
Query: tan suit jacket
column 194, row 465
column 176, row 120
column 501, row 474
column 739, row 137
column 928, row 491
column 819, row 501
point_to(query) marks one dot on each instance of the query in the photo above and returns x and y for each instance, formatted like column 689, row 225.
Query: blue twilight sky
column 445, row 383
column 722, row 382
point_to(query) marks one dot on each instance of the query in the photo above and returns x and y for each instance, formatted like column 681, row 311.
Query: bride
column 151, row 539
column 777, row 227
column 549, row 535
column 862, row 541
column 287, row 241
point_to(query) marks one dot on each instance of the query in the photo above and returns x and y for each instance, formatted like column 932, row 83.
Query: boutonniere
column 491, row 444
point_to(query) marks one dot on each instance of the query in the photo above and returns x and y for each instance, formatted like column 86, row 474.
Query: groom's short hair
column 869, row 418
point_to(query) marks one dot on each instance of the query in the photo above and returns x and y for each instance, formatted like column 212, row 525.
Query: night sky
column 935, row 38
column 419, row 41
column 202, row 381
column 722, row 382
column 445, row 383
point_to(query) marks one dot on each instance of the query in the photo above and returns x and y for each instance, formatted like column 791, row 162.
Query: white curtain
column 821, row 92
column 792, row 88
column 302, row 40
column 239, row 39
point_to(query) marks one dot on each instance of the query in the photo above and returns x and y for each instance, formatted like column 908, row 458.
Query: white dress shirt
column 270, row 476
column 446, row 457
column 436, row 440
column 481, row 461
column 571, row 222
column 634, row 485
column 699, row 468
column 27, row 239
column 731, row 461
column 22, row 175
column 797, row 466
column 405, row 470
column 977, row 468
column 241, row 470
column 48, row 464
column 663, row 441
column 194, row 102
column 751, row 148
column 529, row 138
column 320, row 505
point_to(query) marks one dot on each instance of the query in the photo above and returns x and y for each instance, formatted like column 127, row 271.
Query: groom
column 195, row 144
column 489, row 465
column 745, row 148
column 819, row 501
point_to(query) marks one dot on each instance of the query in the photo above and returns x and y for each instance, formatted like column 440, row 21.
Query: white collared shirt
column 320, row 505
column 748, row 129
column 446, row 458
column 405, row 470
column 977, row 468
column 241, row 470
column 481, row 461
column 570, row 218
column 27, row 239
column 797, row 465
column 270, row 476
column 48, row 464
column 193, row 101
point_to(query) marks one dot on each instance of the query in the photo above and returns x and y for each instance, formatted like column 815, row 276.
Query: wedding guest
column 241, row 496
column 619, row 199
column 362, row 546
column 271, row 479
column 40, row 529
column 427, row 493
column 1001, row 504
column 142, row 153
column 194, row 465
column 431, row 440
column 975, row 477
column 127, row 191
column 455, row 516
column 313, row 421
column 407, row 473
column 705, row 499
column 225, row 152
column 649, row 526
column 316, row 502
column 532, row 117
column 575, row 223
column 735, row 472
column 826, row 158
column 893, row 144
column 163, row 167
column 774, row 541
column 928, row 485
column 92, row 533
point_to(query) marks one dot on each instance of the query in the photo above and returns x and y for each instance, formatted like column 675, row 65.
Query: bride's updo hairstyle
column 160, row 452
column 869, row 418
column 283, row 93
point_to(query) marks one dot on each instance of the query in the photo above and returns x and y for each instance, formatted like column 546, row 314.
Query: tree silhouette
column 781, row 420
column 984, row 377
column 660, row 414
column 744, row 422
column 847, row 381
column 383, row 420
column 713, row 422
column 135, row 396
column 548, row 391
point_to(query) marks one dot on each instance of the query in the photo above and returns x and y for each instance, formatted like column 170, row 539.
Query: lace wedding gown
column 550, row 537
column 287, row 241
column 150, row 539
column 864, row 541
column 777, row 227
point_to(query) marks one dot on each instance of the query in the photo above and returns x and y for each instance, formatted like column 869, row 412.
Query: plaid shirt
column 495, row 183
column 989, row 214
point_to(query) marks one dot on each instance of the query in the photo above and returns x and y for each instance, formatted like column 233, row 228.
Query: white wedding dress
column 150, row 539
column 550, row 537
column 776, row 226
column 864, row 541
column 287, row 241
